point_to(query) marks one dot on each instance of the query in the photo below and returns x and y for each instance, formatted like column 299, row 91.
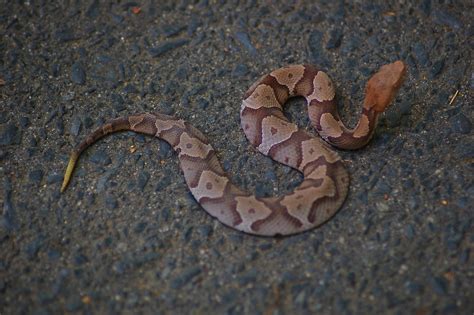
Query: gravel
column 127, row 237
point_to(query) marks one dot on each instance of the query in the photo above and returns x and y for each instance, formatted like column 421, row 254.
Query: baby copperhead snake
column 326, row 181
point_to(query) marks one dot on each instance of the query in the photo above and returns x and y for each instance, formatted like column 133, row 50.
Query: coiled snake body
column 325, row 182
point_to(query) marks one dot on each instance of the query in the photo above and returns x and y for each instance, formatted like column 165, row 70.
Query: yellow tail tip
column 69, row 170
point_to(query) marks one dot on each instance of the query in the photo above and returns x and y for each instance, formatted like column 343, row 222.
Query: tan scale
column 362, row 128
column 289, row 76
column 299, row 204
column 330, row 126
column 262, row 96
column 274, row 131
column 210, row 185
column 191, row 146
column 162, row 125
column 251, row 210
column 323, row 88
column 312, row 150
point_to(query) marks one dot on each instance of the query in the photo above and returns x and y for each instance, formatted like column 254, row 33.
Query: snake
column 325, row 182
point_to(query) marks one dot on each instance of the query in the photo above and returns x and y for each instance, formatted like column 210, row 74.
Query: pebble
column 240, row 70
column 444, row 18
column 335, row 39
column 248, row 277
column 140, row 227
column 93, row 10
column 165, row 150
column 78, row 74
column 439, row 285
column 131, row 89
column 172, row 29
column 205, row 230
column 24, row 122
column 143, row 178
column 425, row 6
column 421, row 54
column 185, row 277
column 409, row 231
column 10, row 134
column 36, row 175
column 117, row 102
column 244, row 39
column 64, row 35
column 437, row 68
column 100, row 157
column 166, row 46
column 202, row 103
column 461, row 124
column 75, row 126
column 54, row 178
column 316, row 50
column 193, row 25
column 111, row 202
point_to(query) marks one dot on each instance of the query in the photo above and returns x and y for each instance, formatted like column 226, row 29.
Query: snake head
column 384, row 85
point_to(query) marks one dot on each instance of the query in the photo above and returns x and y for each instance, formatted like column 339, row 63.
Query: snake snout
column 384, row 85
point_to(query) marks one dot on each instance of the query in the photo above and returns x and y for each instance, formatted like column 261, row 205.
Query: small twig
column 454, row 97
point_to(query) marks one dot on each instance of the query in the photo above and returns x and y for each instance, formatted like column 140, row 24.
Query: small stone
column 461, row 124
column 111, row 202
column 24, row 122
column 182, row 72
column 117, row 102
column 65, row 35
column 54, row 178
column 315, row 48
column 437, row 68
column 33, row 247
column 93, row 9
column 80, row 259
column 165, row 149
column 143, row 178
column 55, row 68
column 48, row 155
column 439, row 285
column 117, row 18
column 140, row 227
column 205, row 230
column 249, row 277
column 78, row 74
column 409, row 231
column 244, row 39
column 100, row 157
column 413, row 288
column 202, row 103
column 166, row 46
column 75, row 126
column 421, row 54
column 335, row 39
column 131, row 89
column 9, row 134
column 240, row 70
column 425, row 6
column 36, row 175
column 193, row 25
column 172, row 30
column 185, row 277
column 73, row 304
column 444, row 18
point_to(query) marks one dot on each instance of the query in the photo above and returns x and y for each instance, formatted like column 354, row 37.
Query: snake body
column 326, row 181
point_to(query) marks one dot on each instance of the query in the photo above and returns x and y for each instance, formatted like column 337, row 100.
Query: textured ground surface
column 127, row 235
